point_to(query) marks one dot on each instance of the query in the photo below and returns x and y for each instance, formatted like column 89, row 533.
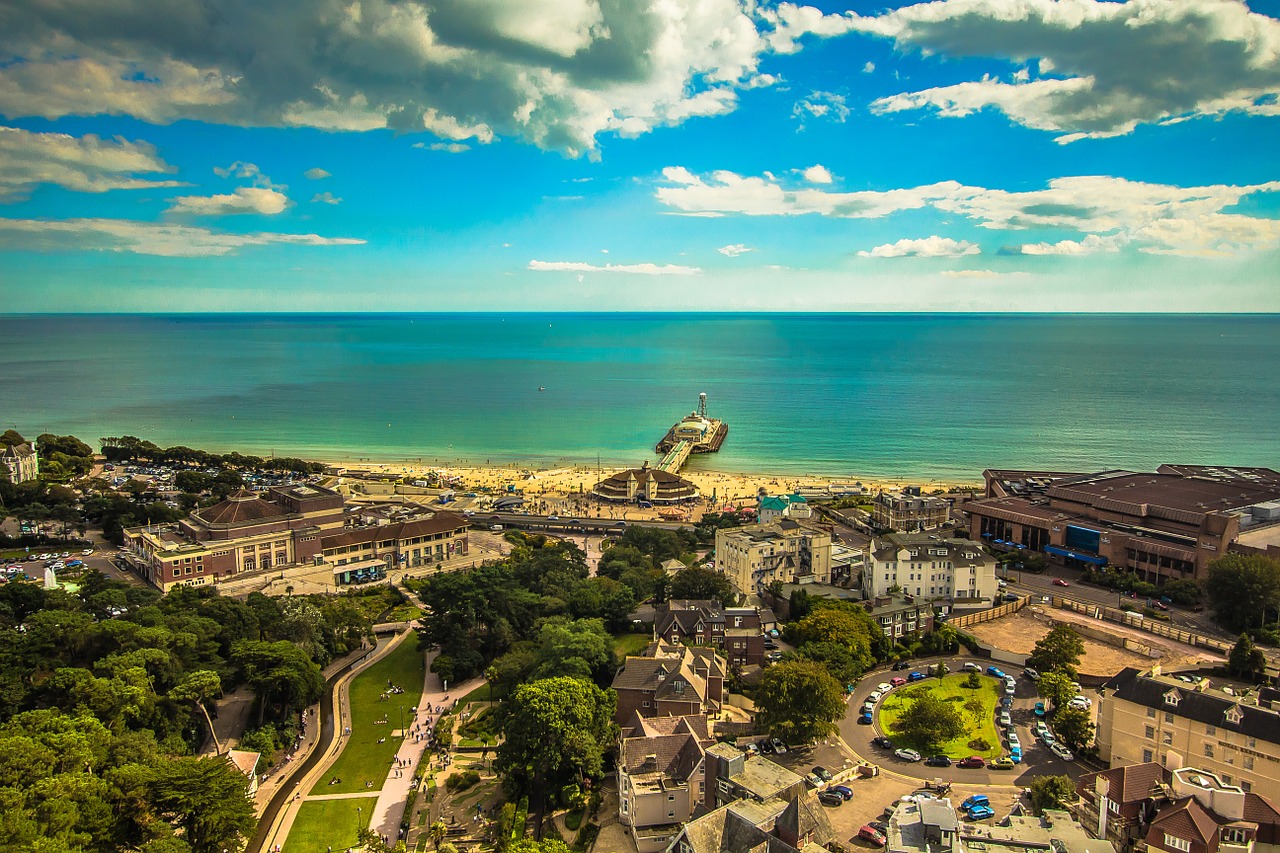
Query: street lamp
column 402, row 721
column 359, row 819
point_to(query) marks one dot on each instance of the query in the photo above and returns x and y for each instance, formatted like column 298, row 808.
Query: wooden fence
column 987, row 615
column 1142, row 623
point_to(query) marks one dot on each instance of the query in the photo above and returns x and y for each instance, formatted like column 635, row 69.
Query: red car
column 974, row 761
column 1060, row 582
column 870, row 833
column 897, row 681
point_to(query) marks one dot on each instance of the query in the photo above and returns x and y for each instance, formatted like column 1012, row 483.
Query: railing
column 1142, row 623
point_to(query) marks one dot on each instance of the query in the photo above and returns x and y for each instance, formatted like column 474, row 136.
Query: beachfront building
column 738, row 632
column 931, row 567
column 670, row 681
column 645, row 485
column 1165, row 525
column 427, row 539
column 22, row 461
column 783, row 506
column 244, row 533
column 1187, row 810
column 660, row 777
column 909, row 510
column 1146, row 717
column 789, row 551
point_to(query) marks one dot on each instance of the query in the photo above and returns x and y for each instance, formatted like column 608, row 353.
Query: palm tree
column 437, row 831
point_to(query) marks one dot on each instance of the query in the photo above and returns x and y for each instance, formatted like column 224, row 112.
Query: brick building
column 670, row 681
column 738, row 632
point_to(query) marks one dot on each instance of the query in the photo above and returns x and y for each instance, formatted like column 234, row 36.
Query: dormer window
column 1173, row 697
column 1234, row 715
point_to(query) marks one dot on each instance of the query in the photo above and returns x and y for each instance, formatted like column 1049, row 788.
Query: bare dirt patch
column 1019, row 633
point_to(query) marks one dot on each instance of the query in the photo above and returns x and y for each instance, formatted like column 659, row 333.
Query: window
column 1208, row 750
column 1151, row 732
column 1166, row 738
column 1168, row 716
column 1251, row 742
column 1151, row 712
column 1247, row 762
column 1235, row 835
column 1246, row 786
column 1175, row 843
column 1211, row 730
column 1147, row 756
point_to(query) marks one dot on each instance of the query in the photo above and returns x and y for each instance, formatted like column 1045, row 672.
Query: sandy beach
column 726, row 488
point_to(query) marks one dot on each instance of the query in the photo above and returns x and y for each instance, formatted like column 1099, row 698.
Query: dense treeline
column 129, row 448
column 105, row 693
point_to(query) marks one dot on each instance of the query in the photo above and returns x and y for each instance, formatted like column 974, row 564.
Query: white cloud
column 869, row 68
column 633, row 269
column 557, row 73
column 84, row 163
column 1154, row 218
column 1118, row 65
column 447, row 147
column 1091, row 244
column 817, row 174
column 823, row 105
column 243, row 200
column 325, row 198
column 316, row 174
column 981, row 274
column 243, row 170
column 144, row 238
column 734, row 250
column 927, row 247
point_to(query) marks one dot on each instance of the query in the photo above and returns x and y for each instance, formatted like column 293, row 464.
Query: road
column 1036, row 759
column 567, row 524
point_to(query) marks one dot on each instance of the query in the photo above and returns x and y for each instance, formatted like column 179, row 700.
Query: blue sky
column 961, row 155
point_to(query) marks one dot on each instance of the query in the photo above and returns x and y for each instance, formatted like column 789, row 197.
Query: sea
column 911, row 397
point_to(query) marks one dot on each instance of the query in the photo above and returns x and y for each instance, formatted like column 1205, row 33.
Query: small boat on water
column 542, row 387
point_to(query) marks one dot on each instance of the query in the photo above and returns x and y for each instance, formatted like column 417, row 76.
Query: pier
column 676, row 457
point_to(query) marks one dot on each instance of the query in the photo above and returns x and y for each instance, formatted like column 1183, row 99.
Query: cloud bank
column 628, row 269
column 143, row 238
column 84, row 164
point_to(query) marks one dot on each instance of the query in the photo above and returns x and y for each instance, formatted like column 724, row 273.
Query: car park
column 830, row 798
column 973, row 761
column 937, row 761
column 907, row 755
column 822, row 773
column 981, row 813
column 869, row 833
column 1062, row 752
column 975, row 800
column 843, row 790
column 882, row 742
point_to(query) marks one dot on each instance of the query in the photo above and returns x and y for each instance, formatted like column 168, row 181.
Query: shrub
column 979, row 744
column 462, row 781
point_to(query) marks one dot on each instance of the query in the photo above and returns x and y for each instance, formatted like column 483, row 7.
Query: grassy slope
column 328, row 823
column 363, row 759
column 895, row 704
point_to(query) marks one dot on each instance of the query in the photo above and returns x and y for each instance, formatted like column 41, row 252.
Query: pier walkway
column 675, row 458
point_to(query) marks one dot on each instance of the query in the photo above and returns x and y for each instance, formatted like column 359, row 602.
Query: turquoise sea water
column 912, row 396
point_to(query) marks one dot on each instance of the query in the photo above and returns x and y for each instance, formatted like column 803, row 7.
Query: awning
column 1063, row 552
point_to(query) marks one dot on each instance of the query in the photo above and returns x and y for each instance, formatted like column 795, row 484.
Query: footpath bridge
column 676, row 457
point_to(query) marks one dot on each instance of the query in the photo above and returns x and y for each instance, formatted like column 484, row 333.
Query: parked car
column 865, row 718
column 897, row 681
column 1015, row 755
column 1004, row 719
column 869, row 833
column 937, row 761
column 770, row 645
column 843, row 790
column 970, row 666
column 996, row 671
column 1062, row 752
column 975, row 800
column 1033, row 674
column 981, row 813
column 766, row 747
column 1013, row 740
column 830, row 798
column 1004, row 762
column 875, row 696
column 751, row 749
column 868, row 707
column 901, row 665
column 884, row 687
column 1009, row 596
column 822, row 773
column 1048, row 739
column 1039, row 711
column 1060, row 582
column 907, row 755
column 814, row 781
column 973, row 761
column 774, row 657
column 916, row 675
column 882, row 742
column 879, row 826
column 779, row 747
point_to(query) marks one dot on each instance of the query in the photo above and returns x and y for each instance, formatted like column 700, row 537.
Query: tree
column 278, row 670
column 701, row 583
column 973, row 681
column 557, row 730
column 207, row 798
column 842, row 626
column 798, row 701
column 942, row 670
column 199, row 687
column 546, row 845
column 1242, row 589
column 438, row 830
column 1056, row 687
column 844, row 666
column 1073, row 727
column 1246, row 660
column 929, row 722
column 1052, row 792
column 1058, row 651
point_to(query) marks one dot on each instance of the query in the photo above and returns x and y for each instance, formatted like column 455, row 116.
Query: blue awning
column 1075, row 555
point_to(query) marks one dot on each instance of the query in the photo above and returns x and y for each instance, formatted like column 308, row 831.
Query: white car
column 875, row 696
column 1013, row 740
column 86, row 552
column 884, row 687
column 1061, row 751
column 907, row 755
column 1005, row 720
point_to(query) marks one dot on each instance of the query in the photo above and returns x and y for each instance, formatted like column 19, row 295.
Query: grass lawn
column 328, row 823
column 630, row 644
column 363, row 759
column 481, row 694
column 951, row 688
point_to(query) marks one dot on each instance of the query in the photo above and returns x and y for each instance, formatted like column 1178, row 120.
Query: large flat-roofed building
column 1148, row 717
column 1165, row 525
column 909, row 510
column 432, row 537
column 244, row 533
column 926, row 825
column 786, row 550
column 932, row 567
